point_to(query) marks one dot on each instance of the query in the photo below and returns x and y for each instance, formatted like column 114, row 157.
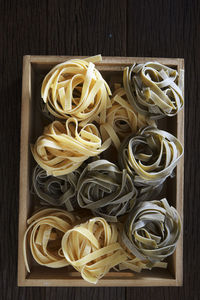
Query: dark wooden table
column 112, row 28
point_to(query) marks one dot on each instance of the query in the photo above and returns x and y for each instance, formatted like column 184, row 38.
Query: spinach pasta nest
column 76, row 88
column 152, row 230
column 57, row 191
column 153, row 89
column 150, row 156
column 105, row 190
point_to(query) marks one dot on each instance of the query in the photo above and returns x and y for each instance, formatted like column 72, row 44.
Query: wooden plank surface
column 122, row 28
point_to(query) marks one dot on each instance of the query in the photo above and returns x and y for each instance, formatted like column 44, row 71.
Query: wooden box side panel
column 24, row 164
column 39, row 277
column 178, row 255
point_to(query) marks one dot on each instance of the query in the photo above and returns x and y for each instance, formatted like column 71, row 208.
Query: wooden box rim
column 112, row 279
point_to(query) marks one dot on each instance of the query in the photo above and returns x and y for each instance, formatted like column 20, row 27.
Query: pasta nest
column 63, row 147
column 106, row 190
column 44, row 233
column 92, row 248
column 56, row 191
column 150, row 157
column 152, row 230
column 153, row 89
column 76, row 88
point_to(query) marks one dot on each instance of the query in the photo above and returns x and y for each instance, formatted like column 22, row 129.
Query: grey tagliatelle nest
column 152, row 230
column 150, row 157
column 153, row 89
column 56, row 191
column 106, row 190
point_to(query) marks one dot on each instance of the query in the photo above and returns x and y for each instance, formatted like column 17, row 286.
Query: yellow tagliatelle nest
column 76, row 88
column 44, row 234
column 92, row 248
column 121, row 119
column 63, row 147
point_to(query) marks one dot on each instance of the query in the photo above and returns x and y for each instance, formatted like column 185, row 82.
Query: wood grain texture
column 133, row 28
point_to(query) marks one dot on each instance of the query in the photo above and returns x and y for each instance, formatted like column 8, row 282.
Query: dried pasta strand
column 153, row 89
column 137, row 265
column 122, row 120
column 76, row 88
column 63, row 147
column 44, row 235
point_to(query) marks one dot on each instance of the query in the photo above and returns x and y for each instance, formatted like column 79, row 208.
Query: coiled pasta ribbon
column 44, row 234
column 137, row 265
column 122, row 119
column 56, row 191
column 150, row 157
column 76, row 88
column 92, row 248
column 105, row 190
column 153, row 89
column 152, row 230
column 63, row 147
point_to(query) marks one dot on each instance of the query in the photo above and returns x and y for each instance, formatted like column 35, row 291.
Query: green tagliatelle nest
column 153, row 89
column 105, row 190
column 150, row 157
column 152, row 230
column 56, row 191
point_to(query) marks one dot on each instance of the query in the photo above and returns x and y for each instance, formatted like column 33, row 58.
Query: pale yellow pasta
column 44, row 234
column 63, row 147
column 121, row 119
column 92, row 248
column 76, row 88
column 135, row 264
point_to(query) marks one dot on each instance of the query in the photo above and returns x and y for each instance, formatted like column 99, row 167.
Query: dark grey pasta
column 152, row 230
column 106, row 190
column 56, row 191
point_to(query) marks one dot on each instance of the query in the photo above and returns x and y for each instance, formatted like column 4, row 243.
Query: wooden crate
column 34, row 70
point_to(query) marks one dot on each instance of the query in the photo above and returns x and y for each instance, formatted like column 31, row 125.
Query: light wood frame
column 41, row 276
